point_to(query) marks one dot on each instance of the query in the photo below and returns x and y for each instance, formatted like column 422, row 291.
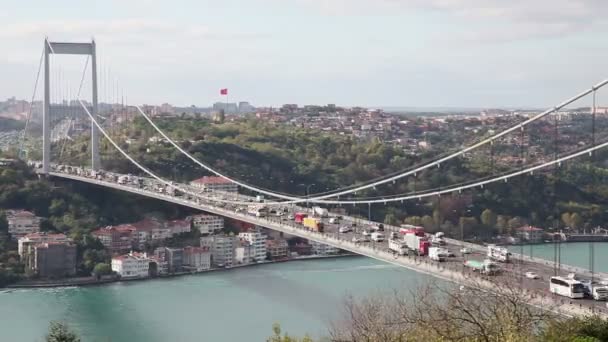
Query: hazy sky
column 474, row 53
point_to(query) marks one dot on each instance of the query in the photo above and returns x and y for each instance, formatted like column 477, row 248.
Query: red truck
column 419, row 244
column 410, row 229
column 299, row 217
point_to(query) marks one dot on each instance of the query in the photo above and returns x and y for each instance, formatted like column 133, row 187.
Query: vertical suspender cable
column 29, row 114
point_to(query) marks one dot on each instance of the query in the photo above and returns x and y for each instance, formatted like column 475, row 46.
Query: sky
column 415, row 53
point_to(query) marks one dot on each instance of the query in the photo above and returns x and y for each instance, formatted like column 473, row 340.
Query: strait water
column 236, row 305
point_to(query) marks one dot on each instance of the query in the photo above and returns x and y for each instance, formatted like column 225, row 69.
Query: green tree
column 390, row 219
column 60, row 332
column 102, row 269
column 567, row 219
column 576, row 221
column 277, row 337
column 3, row 223
column 414, row 220
column 502, row 224
column 488, row 218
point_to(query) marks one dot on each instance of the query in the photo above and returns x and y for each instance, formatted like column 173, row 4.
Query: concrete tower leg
column 95, row 160
column 46, row 112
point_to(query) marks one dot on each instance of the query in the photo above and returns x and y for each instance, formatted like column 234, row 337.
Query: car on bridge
column 532, row 275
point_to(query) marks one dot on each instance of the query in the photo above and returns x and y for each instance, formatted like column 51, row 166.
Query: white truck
column 398, row 246
column 487, row 266
column 321, row 212
column 600, row 293
column 438, row 239
column 438, row 254
column 499, row 253
column 377, row 237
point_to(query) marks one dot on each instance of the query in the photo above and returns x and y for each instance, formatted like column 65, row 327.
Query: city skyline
column 400, row 53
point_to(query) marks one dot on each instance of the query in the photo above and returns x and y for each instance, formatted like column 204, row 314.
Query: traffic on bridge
column 406, row 246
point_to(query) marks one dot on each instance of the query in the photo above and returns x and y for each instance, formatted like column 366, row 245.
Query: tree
column 566, row 218
column 427, row 222
column 443, row 313
column 488, row 218
column 576, row 221
column 102, row 269
column 3, row 223
column 515, row 223
column 60, row 332
column 277, row 337
column 502, row 223
column 414, row 220
column 467, row 225
column 390, row 219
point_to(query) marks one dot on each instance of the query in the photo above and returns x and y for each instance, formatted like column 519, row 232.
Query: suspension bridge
column 234, row 206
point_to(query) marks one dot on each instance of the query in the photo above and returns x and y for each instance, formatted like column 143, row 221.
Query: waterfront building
column 132, row 265
column 214, row 183
column 277, row 248
column 323, row 249
column 173, row 256
column 116, row 239
column 531, row 234
column 258, row 241
column 51, row 259
column 208, row 224
column 197, row 258
column 221, row 247
column 29, row 240
column 243, row 252
column 21, row 223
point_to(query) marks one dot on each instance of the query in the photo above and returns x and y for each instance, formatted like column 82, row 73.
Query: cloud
column 510, row 20
column 121, row 29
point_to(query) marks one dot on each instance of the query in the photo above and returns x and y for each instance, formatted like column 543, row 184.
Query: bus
column 567, row 287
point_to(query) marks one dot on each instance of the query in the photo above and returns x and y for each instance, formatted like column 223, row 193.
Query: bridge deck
column 452, row 270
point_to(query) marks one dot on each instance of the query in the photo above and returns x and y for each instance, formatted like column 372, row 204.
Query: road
column 511, row 272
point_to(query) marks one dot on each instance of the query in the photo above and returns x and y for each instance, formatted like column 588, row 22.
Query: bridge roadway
column 452, row 270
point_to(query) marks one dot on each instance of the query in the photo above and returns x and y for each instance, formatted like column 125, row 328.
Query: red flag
column 224, row 91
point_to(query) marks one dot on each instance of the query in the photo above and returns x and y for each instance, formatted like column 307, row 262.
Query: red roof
column 45, row 235
column 212, row 180
column 21, row 213
column 146, row 225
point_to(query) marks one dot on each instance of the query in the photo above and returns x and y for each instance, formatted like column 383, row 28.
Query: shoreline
column 91, row 281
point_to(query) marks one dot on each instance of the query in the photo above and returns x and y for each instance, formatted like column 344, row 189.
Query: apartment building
column 21, row 223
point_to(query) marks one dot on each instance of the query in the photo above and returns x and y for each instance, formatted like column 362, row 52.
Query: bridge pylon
column 60, row 48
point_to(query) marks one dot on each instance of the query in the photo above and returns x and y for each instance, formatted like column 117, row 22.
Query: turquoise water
column 235, row 305
column 575, row 254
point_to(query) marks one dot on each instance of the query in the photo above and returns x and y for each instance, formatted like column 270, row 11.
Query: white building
column 21, row 223
column 208, row 224
column 257, row 241
column 132, row 265
column 243, row 252
column 323, row 249
column 221, row 247
column 214, row 183
column 197, row 258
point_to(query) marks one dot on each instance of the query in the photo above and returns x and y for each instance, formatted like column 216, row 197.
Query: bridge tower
column 58, row 48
